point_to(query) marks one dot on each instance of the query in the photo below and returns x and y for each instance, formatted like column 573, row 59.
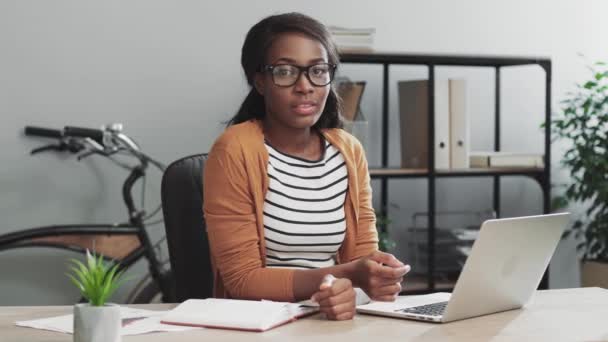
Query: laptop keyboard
column 435, row 309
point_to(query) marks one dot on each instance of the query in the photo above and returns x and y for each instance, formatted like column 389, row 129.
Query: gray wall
column 169, row 70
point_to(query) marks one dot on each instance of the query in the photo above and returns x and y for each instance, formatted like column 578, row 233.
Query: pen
column 328, row 281
column 408, row 268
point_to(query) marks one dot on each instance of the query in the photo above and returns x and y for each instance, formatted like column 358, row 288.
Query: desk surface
column 554, row 315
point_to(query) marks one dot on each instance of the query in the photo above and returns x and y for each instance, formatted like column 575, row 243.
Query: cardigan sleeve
column 367, row 235
column 229, row 210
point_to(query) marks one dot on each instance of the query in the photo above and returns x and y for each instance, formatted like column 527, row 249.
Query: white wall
column 169, row 70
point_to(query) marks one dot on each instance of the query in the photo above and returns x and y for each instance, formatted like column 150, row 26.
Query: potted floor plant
column 583, row 125
column 97, row 320
column 385, row 242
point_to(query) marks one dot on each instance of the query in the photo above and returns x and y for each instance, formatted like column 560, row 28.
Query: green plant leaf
column 83, row 275
column 77, row 283
column 90, row 258
column 559, row 202
column 109, row 283
column 95, row 278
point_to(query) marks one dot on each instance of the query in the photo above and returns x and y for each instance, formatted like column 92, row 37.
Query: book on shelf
column 351, row 93
column 351, row 31
column 247, row 315
column 451, row 143
column 506, row 159
column 353, row 39
column 413, row 111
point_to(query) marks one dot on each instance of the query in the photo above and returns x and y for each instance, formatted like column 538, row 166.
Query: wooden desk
column 554, row 315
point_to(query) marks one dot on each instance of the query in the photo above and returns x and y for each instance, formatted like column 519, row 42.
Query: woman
column 287, row 196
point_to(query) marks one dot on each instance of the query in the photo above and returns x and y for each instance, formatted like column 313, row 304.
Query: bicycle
column 124, row 243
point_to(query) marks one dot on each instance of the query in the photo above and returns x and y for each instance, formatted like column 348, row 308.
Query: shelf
column 506, row 171
column 434, row 280
column 432, row 59
column 473, row 172
column 402, row 173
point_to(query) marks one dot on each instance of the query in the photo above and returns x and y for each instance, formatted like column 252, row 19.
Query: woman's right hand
column 379, row 275
column 336, row 298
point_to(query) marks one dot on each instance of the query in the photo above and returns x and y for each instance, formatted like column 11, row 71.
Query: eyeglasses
column 286, row 75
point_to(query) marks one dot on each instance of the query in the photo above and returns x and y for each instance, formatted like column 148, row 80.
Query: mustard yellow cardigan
column 235, row 184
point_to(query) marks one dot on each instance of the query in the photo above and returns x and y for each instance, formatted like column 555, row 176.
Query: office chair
column 182, row 202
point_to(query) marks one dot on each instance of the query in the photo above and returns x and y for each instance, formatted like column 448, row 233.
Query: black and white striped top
column 304, row 220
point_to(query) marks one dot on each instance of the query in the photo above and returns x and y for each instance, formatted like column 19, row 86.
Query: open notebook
column 236, row 314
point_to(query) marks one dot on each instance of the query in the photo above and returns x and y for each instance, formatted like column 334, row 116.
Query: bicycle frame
column 27, row 238
column 34, row 237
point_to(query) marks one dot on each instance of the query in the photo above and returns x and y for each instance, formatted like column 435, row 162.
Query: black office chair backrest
column 182, row 201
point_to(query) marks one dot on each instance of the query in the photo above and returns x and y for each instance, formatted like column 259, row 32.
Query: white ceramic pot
column 97, row 323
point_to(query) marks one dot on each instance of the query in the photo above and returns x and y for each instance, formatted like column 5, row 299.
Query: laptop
column 504, row 268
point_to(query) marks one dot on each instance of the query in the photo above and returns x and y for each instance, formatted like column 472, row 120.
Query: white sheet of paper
column 403, row 302
column 143, row 322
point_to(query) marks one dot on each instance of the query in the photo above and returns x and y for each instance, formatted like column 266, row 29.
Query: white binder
column 442, row 124
column 414, row 115
column 459, row 125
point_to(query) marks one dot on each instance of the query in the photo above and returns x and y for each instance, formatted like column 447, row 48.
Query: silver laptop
column 504, row 268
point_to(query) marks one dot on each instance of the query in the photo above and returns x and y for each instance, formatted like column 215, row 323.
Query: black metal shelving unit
column 542, row 176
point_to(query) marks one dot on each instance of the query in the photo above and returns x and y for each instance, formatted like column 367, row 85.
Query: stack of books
column 506, row 159
column 353, row 39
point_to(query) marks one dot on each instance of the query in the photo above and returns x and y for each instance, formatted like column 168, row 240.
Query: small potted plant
column 583, row 124
column 97, row 320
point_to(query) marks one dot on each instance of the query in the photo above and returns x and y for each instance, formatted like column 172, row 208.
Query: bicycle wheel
column 148, row 291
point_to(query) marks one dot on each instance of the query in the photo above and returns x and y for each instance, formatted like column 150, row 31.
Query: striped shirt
column 304, row 220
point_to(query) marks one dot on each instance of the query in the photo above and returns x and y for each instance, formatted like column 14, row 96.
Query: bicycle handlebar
column 81, row 132
column 106, row 142
column 68, row 131
column 43, row 132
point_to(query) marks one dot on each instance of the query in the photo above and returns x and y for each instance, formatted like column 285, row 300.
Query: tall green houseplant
column 583, row 124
